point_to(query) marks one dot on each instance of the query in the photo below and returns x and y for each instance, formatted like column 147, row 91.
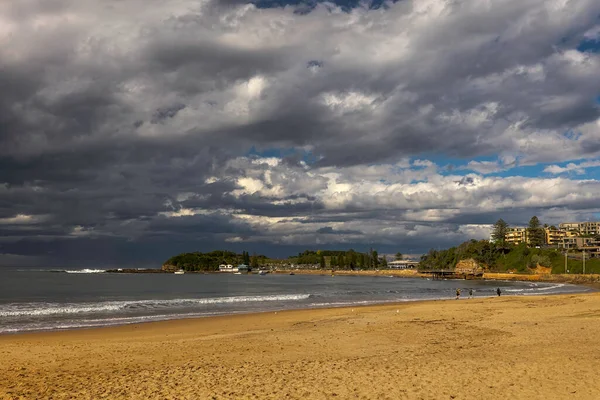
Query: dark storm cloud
column 124, row 127
column 166, row 112
column 330, row 231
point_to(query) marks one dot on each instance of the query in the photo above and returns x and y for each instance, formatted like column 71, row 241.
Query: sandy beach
column 495, row 348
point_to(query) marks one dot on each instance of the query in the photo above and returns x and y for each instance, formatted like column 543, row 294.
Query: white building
column 227, row 268
column 403, row 264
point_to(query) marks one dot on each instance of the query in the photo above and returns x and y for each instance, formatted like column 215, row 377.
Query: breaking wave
column 47, row 309
column 84, row 271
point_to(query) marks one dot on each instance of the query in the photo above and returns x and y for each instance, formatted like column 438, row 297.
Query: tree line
column 335, row 259
column 343, row 259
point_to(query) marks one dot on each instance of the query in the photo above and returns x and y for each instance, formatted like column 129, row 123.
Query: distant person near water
column 499, row 292
column 457, row 294
column 470, row 293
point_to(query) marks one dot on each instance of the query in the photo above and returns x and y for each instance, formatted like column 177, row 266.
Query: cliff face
column 169, row 268
column 468, row 267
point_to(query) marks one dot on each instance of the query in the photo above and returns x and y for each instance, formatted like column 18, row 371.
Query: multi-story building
column 590, row 246
column 517, row 235
column 553, row 237
column 569, row 226
column 572, row 242
column 583, row 228
column 568, row 236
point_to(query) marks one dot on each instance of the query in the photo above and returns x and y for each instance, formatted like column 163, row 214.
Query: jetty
column 440, row 273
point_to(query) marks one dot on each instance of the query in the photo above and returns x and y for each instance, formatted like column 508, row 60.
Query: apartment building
column 567, row 236
column 572, row 242
column 583, row 228
column 517, row 235
column 554, row 236
column 590, row 246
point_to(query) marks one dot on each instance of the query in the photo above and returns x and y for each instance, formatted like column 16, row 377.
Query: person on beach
column 499, row 292
column 457, row 294
column 470, row 293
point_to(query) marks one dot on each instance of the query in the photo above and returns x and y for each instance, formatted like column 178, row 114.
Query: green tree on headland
column 341, row 261
column 398, row 256
column 499, row 232
column 374, row 259
column 254, row 261
column 535, row 232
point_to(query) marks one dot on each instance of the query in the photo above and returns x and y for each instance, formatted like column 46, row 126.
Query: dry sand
column 495, row 348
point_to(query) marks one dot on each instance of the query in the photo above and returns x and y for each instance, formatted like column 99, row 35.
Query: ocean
column 42, row 300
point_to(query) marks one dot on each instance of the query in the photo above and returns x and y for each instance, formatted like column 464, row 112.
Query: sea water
column 38, row 300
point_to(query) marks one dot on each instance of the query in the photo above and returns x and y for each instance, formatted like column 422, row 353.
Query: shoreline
column 592, row 280
column 423, row 349
column 250, row 314
column 195, row 318
column 149, row 319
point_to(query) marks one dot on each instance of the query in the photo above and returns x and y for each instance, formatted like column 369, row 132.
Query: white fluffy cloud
column 578, row 169
column 392, row 204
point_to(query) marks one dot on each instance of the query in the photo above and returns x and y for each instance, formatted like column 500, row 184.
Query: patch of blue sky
column 527, row 171
column 589, row 46
column 592, row 173
column 450, row 166
column 582, row 174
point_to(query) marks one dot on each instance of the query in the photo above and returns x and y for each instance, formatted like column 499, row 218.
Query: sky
column 133, row 130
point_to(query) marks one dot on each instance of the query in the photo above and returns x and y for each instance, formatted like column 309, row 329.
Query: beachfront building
column 589, row 245
column 572, row 242
column 592, row 247
column 403, row 264
column 554, row 236
column 517, row 235
column 227, row 268
column 581, row 228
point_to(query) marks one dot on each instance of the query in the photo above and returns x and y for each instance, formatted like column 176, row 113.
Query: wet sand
column 496, row 348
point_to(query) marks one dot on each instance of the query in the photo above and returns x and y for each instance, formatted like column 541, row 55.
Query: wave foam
column 47, row 309
column 84, row 271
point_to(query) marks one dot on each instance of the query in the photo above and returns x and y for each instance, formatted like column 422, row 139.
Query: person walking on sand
column 499, row 292
column 457, row 294
column 470, row 293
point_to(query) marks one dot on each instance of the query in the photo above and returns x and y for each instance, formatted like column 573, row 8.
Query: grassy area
column 592, row 266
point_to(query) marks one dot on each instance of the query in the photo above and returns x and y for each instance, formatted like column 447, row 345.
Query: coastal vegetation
column 198, row 261
column 340, row 259
column 323, row 259
column 498, row 257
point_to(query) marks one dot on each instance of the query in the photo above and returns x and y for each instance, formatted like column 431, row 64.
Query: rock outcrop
column 169, row 268
column 468, row 267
